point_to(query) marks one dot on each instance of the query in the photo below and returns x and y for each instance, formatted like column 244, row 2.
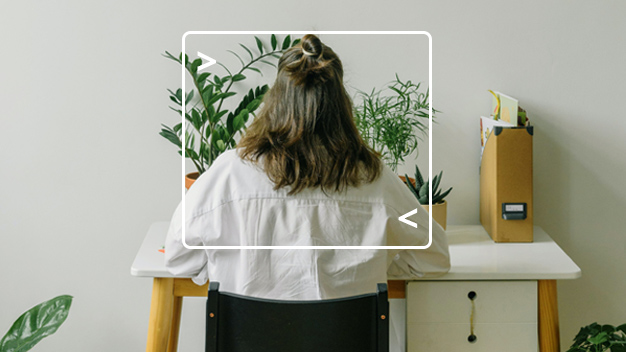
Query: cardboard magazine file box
column 506, row 184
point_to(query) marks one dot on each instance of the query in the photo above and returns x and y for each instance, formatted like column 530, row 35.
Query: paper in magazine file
column 505, row 112
column 486, row 127
column 508, row 108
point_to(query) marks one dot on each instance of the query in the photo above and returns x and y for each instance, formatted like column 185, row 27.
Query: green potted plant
column 600, row 338
column 389, row 118
column 211, row 127
column 38, row 322
column 420, row 190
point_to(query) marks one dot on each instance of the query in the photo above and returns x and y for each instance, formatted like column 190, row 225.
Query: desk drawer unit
column 443, row 316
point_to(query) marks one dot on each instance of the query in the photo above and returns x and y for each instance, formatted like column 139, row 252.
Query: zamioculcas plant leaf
column 38, row 322
column 211, row 122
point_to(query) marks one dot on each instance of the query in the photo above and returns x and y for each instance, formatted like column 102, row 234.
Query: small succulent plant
column 420, row 188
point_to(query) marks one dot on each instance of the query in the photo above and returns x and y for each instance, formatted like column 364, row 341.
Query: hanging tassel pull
column 472, row 338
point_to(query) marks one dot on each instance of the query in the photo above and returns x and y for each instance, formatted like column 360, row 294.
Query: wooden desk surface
column 473, row 255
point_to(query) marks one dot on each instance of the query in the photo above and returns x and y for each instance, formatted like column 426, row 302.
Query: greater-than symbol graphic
column 210, row 61
column 409, row 222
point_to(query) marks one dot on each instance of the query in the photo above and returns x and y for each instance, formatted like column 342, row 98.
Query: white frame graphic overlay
column 430, row 139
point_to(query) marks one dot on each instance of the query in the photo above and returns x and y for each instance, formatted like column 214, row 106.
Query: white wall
column 84, row 172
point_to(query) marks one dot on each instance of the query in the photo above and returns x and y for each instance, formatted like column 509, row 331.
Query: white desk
column 474, row 257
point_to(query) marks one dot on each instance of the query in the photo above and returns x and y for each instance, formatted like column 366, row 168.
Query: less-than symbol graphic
column 408, row 222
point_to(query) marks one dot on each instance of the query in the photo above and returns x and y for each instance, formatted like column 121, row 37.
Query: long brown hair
column 305, row 135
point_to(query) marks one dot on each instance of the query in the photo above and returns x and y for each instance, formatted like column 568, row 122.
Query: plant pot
column 410, row 178
column 439, row 212
column 190, row 178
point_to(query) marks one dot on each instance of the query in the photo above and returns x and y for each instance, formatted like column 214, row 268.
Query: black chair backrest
column 238, row 323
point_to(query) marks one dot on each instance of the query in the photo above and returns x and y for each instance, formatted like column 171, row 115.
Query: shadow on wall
column 552, row 183
column 585, row 217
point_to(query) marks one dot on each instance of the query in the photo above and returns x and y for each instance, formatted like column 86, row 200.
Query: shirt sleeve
column 416, row 263
column 430, row 262
column 182, row 261
column 205, row 195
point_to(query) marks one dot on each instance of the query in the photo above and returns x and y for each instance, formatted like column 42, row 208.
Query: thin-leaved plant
column 393, row 120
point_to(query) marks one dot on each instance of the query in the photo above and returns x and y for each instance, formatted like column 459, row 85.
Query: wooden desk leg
column 549, row 340
column 396, row 288
column 172, row 345
column 161, row 309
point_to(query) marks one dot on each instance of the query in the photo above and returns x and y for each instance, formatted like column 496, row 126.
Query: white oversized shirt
column 234, row 203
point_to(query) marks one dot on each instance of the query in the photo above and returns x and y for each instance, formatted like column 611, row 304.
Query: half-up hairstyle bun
column 312, row 46
column 305, row 135
column 307, row 64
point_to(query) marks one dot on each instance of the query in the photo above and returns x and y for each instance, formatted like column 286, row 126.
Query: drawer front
column 440, row 315
column 494, row 302
column 435, row 337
